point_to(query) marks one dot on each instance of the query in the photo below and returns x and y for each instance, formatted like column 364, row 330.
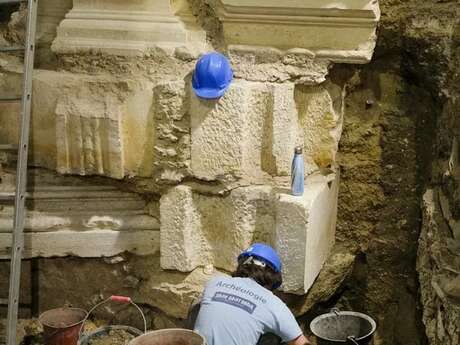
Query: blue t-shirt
column 237, row 311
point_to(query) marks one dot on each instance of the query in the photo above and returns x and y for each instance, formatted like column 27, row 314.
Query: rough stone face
column 253, row 130
column 171, row 138
column 199, row 230
column 320, row 116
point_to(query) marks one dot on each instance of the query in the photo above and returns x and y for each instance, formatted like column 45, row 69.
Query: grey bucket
column 173, row 336
column 343, row 327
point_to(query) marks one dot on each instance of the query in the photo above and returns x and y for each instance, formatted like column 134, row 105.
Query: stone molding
column 70, row 217
column 339, row 32
column 125, row 28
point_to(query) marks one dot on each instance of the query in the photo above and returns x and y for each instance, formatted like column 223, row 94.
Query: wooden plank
column 88, row 244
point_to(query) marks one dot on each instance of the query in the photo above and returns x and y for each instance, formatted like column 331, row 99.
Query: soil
column 115, row 337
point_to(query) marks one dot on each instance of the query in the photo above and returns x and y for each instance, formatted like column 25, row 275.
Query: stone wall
column 185, row 183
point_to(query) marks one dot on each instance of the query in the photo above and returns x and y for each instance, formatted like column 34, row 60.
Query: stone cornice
column 68, row 216
column 342, row 32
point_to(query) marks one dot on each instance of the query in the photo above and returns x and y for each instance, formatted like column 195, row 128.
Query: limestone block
column 67, row 216
column 338, row 31
column 92, row 125
column 171, row 137
column 198, row 230
column 283, row 126
column 181, row 246
column 249, row 132
column 126, row 28
column 94, row 243
column 321, row 116
column 171, row 291
column 252, row 130
column 305, row 232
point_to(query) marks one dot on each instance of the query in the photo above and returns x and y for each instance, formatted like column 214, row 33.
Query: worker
column 242, row 309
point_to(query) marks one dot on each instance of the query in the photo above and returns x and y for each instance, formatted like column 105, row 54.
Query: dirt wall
column 392, row 133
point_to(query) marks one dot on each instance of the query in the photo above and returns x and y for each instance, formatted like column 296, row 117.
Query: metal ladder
column 19, row 195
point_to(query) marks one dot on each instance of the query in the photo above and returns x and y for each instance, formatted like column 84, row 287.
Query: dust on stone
column 114, row 337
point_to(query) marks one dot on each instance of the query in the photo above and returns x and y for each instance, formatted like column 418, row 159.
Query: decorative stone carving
column 66, row 216
column 199, row 230
column 338, row 31
column 126, row 28
column 90, row 125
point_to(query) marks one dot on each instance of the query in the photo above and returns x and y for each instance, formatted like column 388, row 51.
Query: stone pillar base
column 128, row 28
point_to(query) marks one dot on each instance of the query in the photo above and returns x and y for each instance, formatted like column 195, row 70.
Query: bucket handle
column 336, row 311
column 352, row 339
column 113, row 298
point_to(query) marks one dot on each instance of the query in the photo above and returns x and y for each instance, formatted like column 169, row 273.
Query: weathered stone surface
column 92, row 125
column 181, row 236
column 273, row 65
column 67, row 216
column 336, row 269
column 170, row 291
column 320, row 115
column 253, row 130
column 199, row 230
column 171, row 138
column 126, row 28
column 305, row 232
column 342, row 32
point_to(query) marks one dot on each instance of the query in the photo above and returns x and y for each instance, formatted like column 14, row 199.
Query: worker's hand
column 302, row 340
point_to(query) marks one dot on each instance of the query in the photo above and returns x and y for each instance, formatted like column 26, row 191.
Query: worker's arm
column 302, row 340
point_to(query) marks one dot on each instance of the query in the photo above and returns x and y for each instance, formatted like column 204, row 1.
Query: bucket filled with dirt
column 173, row 336
column 112, row 335
column 344, row 327
column 61, row 326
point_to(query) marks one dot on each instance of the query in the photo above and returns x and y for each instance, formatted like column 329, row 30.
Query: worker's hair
column 265, row 276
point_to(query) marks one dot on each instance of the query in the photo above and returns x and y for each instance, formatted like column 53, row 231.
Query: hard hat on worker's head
column 264, row 253
column 213, row 75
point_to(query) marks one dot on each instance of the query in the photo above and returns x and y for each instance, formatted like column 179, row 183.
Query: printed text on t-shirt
column 235, row 301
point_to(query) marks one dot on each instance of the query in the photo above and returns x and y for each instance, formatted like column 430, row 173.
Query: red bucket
column 61, row 326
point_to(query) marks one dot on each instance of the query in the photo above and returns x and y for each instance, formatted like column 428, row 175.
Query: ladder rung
column 12, row 49
column 10, row 99
column 8, row 147
column 4, row 2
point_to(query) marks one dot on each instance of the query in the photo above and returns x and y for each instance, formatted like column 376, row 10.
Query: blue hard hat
column 213, row 75
column 263, row 252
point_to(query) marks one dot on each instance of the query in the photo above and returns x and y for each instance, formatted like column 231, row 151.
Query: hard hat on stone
column 212, row 76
